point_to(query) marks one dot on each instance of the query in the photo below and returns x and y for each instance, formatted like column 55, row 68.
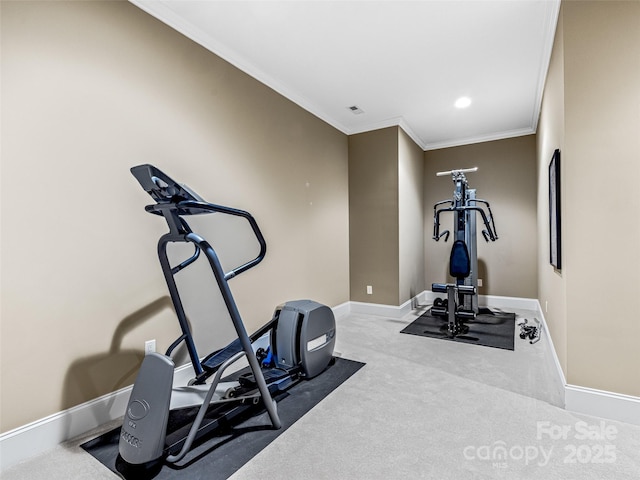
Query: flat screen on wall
column 555, row 256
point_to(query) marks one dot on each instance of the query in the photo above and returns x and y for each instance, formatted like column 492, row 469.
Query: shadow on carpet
column 493, row 329
column 221, row 456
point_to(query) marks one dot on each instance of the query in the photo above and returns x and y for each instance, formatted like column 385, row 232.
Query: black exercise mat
column 221, row 456
column 488, row 329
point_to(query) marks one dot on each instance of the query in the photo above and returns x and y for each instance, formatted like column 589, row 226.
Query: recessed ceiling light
column 463, row 102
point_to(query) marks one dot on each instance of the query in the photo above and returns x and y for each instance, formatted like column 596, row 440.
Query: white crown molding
column 553, row 10
column 163, row 12
column 391, row 122
column 481, row 138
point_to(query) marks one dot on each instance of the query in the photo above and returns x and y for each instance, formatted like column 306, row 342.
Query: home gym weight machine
column 162, row 422
column 461, row 304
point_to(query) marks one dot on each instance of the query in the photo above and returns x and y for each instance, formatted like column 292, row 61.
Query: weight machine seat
column 459, row 262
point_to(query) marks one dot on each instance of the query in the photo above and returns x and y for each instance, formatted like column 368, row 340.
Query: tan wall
column 550, row 135
column 90, row 89
column 507, row 180
column 601, row 214
column 411, row 217
column 373, row 216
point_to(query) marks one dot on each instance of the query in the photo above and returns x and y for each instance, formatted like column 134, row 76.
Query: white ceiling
column 401, row 62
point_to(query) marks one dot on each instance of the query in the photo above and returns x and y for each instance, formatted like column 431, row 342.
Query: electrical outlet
column 479, row 282
column 546, row 306
column 149, row 346
column 369, row 290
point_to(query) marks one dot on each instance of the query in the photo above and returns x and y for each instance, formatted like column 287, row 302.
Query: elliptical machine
column 162, row 422
column 461, row 304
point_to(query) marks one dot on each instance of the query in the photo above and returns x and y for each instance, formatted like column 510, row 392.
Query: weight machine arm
column 436, row 221
column 491, row 221
column 459, row 204
column 488, row 234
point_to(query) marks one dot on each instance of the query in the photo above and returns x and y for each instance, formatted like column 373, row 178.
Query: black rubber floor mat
column 490, row 330
column 221, row 456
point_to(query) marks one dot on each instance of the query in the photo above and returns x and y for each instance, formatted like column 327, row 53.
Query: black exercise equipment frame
column 460, row 305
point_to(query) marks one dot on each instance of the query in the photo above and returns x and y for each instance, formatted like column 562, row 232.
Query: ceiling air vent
column 356, row 110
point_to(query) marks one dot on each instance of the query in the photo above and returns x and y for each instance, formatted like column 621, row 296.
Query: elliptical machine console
column 162, row 421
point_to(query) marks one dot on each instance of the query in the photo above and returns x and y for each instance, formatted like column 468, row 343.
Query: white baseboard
column 342, row 310
column 546, row 336
column 37, row 437
column 44, row 434
column 588, row 401
column 390, row 311
column 496, row 301
column 607, row 405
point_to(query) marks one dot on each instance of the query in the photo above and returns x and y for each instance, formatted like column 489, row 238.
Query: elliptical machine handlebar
column 174, row 199
column 212, row 208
